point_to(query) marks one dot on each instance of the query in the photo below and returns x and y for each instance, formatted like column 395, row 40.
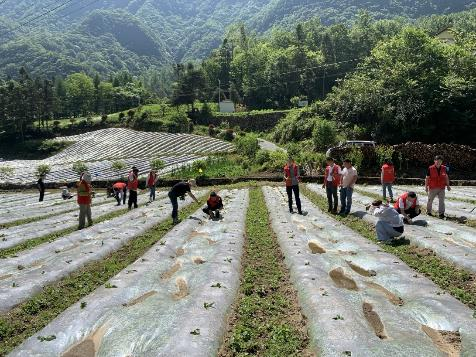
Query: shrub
column 79, row 167
column 211, row 130
column 311, row 162
column 56, row 125
column 178, row 123
column 72, row 121
column 277, row 160
column 104, row 118
column 229, row 135
column 118, row 165
column 122, row 117
column 157, row 164
column 43, row 170
column 206, row 111
column 324, row 135
column 357, row 157
column 297, row 125
column 262, row 157
column 384, row 152
column 247, row 145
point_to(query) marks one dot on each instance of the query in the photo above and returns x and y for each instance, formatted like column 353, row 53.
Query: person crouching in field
column 408, row 206
column 180, row 190
column 390, row 223
column 332, row 178
column 387, row 178
column 214, row 205
column 291, row 177
column 120, row 192
column 85, row 194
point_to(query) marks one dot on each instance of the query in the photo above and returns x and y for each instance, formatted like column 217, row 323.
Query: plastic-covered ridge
column 359, row 300
column 23, row 276
column 173, row 301
column 13, row 236
column 451, row 241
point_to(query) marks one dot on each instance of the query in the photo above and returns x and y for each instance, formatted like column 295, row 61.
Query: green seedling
column 110, row 286
column 83, row 304
column 195, row 332
column 46, row 338
column 207, row 305
column 338, row 317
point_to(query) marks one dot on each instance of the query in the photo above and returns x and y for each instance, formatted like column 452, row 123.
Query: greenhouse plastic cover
column 359, row 300
column 15, row 235
column 46, row 263
column 451, row 241
column 173, row 301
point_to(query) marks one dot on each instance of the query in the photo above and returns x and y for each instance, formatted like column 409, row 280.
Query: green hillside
column 108, row 36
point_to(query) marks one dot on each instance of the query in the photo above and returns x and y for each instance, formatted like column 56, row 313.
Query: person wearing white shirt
column 349, row 178
column 390, row 223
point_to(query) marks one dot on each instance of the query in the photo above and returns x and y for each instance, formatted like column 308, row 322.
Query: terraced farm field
column 135, row 285
column 99, row 149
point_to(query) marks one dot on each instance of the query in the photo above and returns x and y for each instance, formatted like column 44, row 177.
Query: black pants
column 289, row 191
column 174, row 201
column 132, row 199
column 209, row 209
column 332, row 201
column 42, row 195
column 411, row 212
column 124, row 196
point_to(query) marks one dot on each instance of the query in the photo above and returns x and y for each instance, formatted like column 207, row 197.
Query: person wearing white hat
column 84, row 200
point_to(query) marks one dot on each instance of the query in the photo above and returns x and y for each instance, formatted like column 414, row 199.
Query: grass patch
column 267, row 320
column 33, row 315
column 458, row 282
column 467, row 222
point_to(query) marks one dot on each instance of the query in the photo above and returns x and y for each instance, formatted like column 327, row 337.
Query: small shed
column 227, row 106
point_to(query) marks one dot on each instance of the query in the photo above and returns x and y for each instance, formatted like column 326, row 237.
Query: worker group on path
column 392, row 214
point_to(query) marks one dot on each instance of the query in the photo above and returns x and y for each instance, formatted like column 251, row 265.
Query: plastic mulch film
column 36, row 210
column 11, row 199
column 451, row 241
column 458, row 209
column 359, row 300
column 18, row 234
column 173, row 301
column 23, row 276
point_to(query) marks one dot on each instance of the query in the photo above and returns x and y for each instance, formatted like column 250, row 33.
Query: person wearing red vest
column 151, row 182
column 387, row 178
column 435, row 183
column 291, row 177
column 408, row 206
column 133, row 186
column 214, row 205
column 332, row 180
column 84, row 200
column 120, row 192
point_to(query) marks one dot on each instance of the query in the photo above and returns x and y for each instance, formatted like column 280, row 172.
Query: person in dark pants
column 332, row 180
column 214, row 205
column 133, row 186
column 41, row 187
column 180, row 190
column 120, row 192
column 291, row 177
column 408, row 206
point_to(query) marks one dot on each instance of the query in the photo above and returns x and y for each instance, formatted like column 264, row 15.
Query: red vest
column 336, row 178
column 388, row 173
column 213, row 202
column 132, row 182
column 437, row 181
column 119, row 186
column 151, row 180
column 84, row 193
column 404, row 199
column 287, row 173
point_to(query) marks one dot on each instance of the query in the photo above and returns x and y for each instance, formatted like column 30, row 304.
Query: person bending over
column 408, row 206
column 390, row 223
column 180, row 190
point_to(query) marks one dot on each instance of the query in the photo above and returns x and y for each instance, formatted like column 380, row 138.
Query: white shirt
column 348, row 177
column 387, row 214
column 407, row 205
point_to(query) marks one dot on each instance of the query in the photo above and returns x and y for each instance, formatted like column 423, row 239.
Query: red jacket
column 336, row 177
column 287, row 173
column 388, row 173
column 436, row 181
column 404, row 197
column 84, row 193
column 132, row 181
column 151, row 180
column 214, row 202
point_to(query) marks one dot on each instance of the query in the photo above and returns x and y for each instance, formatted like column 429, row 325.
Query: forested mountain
column 61, row 37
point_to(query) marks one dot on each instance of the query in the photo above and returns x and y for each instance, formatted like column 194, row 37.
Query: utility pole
column 219, row 94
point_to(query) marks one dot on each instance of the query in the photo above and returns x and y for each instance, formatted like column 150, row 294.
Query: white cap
column 86, row 177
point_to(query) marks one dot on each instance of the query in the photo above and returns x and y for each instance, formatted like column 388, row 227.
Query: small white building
column 227, row 106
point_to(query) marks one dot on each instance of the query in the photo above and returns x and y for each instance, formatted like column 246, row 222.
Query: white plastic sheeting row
column 36, row 210
column 8, row 199
column 24, row 275
column 173, row 301
column 359, row 300
column 453, row 208
column 15, row 235
column 452, row 241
